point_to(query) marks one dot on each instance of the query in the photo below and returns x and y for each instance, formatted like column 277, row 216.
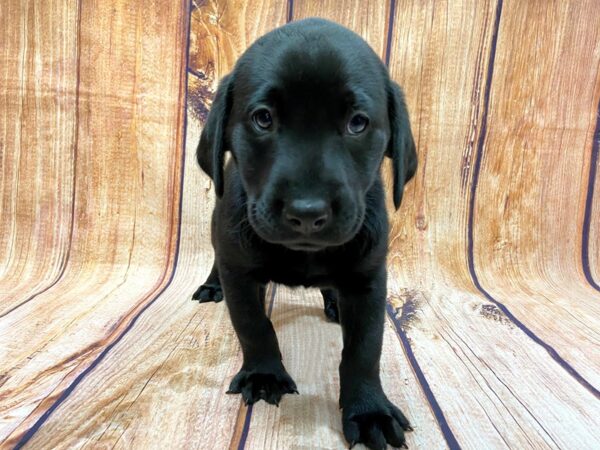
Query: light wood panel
column 591, row 219
column 591, row 255
column 370, row 19
column 128, row 129
column 220, row 32
column 472, row 355
column 532, row 184
column 37, row 145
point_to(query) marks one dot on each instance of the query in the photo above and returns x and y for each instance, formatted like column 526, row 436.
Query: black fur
column 301, row 202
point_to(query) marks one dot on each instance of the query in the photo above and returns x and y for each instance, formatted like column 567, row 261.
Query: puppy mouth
column 304, row 246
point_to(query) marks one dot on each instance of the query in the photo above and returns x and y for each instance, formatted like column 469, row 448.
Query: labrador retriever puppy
column 307, row 115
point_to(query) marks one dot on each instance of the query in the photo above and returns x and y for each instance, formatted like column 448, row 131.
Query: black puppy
column 308, row 114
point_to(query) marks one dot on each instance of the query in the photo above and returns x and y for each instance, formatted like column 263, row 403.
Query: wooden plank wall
column 493, row 331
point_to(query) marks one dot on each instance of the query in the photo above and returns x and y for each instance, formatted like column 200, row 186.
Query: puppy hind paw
column 330, row 306
column 331, row 313
column 208, row 293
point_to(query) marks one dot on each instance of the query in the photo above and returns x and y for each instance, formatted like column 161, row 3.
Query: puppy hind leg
column 330, row 305
column 211, row 290
column 262, row 295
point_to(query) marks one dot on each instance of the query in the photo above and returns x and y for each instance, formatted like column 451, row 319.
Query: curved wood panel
column 591, row 221
column 472, row 355
column 128, row 151
column 37, row 146
column 535, row 162
column 370, row 19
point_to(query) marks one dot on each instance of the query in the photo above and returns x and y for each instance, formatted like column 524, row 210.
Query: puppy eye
column 357, row 124
column 262, row 119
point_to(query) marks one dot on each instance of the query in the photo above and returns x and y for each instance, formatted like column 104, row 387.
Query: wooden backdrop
column 493, row 331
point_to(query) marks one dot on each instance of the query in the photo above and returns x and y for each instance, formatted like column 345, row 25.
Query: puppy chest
column 292, row 272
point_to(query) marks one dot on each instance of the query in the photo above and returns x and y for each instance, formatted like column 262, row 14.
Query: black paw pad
column 208, row 293
column 255, row 386
column 377, row 429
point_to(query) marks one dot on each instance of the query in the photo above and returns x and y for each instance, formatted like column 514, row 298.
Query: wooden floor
column 493, row 331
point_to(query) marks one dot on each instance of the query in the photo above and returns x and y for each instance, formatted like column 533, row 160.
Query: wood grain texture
column 128, row 128
column 370, row 19
column 492, row 329
column 530, row 195
column 220, row 32
column 590, row 253
column 37, row 146
column 457, row 331
column 591, row 228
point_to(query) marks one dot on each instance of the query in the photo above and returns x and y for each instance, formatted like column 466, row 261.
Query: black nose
column 306, row 215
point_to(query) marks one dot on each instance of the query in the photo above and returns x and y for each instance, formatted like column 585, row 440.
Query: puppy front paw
column 208, row 292
column 375, row 422
column 268, row 385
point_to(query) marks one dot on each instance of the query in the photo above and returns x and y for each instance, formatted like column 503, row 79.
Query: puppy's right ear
column 211, row 149
column 401, row 147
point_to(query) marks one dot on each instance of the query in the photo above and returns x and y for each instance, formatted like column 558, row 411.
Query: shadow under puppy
column 308, row 114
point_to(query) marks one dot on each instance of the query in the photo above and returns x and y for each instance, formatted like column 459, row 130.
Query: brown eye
column 357, row 124
column 262, row 119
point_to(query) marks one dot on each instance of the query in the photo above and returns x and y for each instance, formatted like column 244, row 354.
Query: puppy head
column 308, row 114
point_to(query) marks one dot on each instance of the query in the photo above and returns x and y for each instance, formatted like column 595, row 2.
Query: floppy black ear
column 211, row 148
column 401, row 147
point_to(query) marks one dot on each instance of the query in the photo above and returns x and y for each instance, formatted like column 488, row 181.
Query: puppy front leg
column 262, row 375
column 367, row 414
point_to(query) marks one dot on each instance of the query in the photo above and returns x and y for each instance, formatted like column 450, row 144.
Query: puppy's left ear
column 401, row 146
column 211, row 148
